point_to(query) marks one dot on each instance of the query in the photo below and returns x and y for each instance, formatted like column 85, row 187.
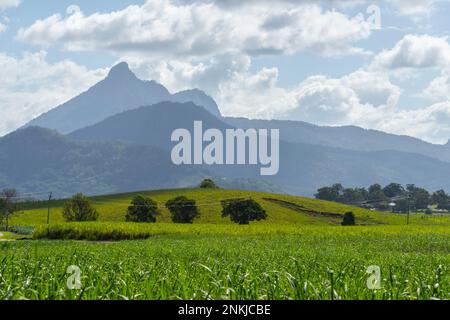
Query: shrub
column 349, row 219
column 428, row 211
column 142, row 209
column 182, row 209
column 243, row 211
column 79, row 208
column 208, row 184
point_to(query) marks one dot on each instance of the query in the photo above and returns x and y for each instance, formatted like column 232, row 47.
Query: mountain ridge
column 121, row 90
column 303, row 167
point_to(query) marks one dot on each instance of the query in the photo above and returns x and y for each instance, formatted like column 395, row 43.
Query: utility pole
column 409, row 209
column 48, row 208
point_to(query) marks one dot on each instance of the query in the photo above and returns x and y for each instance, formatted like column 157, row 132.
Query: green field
column 299, row 252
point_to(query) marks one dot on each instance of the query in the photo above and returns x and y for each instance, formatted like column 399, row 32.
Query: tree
column 333, row 193
column 142, row 209
column 349, row 219
column 441, row 199
column 182, row 209
column 376, row 193
column 351, row 195
column 208, row 184
column 243, row 211
column 79, row 208
column 394, row 190
column 420, row 197
column 377, row 197
column 8, row 205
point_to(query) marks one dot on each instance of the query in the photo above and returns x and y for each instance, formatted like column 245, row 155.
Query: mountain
column 303, row 167
column 150, row 125
column 122, row 126
column 346, row 137
column 121, row 90
column 41, row 160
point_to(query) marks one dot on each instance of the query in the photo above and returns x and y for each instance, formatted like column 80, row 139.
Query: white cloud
column 430, row 123
column 165, row 28
column 415, row 52
column 439, row 88
column 2, row 27
column 33, row 86
column 360, row 98
column 8, row 4
column 370, row 101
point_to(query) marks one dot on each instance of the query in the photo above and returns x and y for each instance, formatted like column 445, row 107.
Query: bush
column 208, row 184
column 79, row 208
column 243, row 211
column 349, row 219
column 142, row 209
column 182, row 209
column 428, row 211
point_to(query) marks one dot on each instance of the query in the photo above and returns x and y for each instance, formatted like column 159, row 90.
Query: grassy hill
column 281, row 209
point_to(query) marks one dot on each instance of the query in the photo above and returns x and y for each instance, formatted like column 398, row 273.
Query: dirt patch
column 332, row 217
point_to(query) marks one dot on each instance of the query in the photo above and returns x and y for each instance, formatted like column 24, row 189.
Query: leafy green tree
column 8, row 205
column 441, row 199
column 182, row 209
column 420, row 198
column 142, row 209
column 394, row 190
column 79, row 208
column 349, row 219
column 208, row 184
column 333, row 193
column 355, row 195
column 376, row 193
column 243, row 211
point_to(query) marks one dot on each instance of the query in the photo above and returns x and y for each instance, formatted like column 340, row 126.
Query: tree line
column 404, row 198
column 182, row 209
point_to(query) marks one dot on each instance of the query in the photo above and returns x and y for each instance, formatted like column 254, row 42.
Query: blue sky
column 324, row 62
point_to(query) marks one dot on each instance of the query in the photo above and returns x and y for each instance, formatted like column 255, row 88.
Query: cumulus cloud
column 182, row 74
column 370, row 101
column 33, row 86
column 167, row 28
column 415, row 52
column 360, row 98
